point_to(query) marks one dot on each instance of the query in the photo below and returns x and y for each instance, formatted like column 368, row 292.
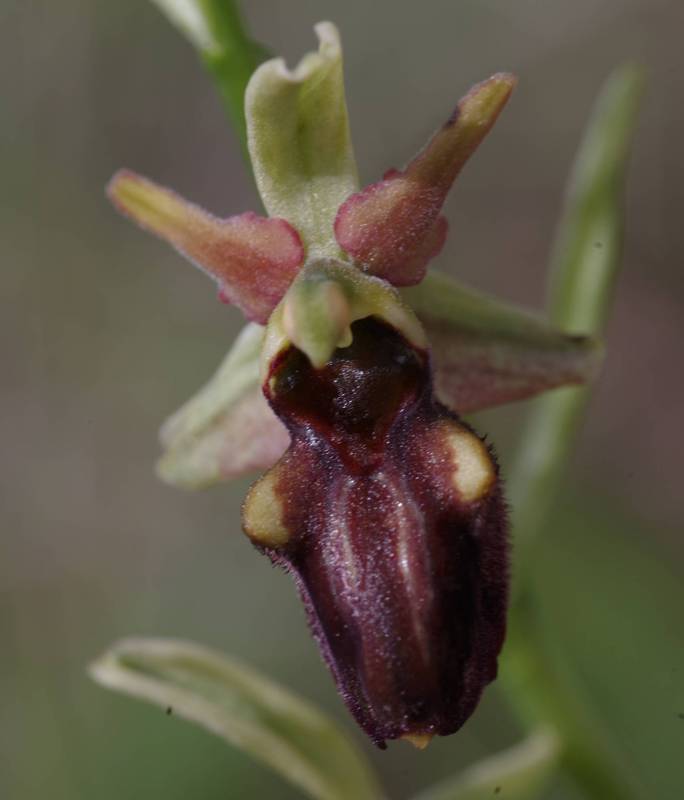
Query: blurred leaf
column 585, row 265
column 244, row 708
column 487, row 352
column 227, row 429
column 587, row 250
column 299, row 141
column 612, row 611
column 519, row 773
column 544, row 689
column 215, row 29
column 584, row 271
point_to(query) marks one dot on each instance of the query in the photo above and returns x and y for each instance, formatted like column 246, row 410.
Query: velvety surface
column 404, row 576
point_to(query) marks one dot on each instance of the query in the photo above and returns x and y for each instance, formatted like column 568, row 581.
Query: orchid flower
column 383, row 503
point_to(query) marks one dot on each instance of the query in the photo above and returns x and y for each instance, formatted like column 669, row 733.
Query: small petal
column 299, row 141
column 411, row 270
column 226, row 429
column 253, row 259
column 386, row 225
column 486, row 352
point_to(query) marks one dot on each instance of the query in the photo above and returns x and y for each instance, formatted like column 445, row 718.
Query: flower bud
column 386, row 508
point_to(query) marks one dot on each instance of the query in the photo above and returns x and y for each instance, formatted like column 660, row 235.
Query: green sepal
column 487, row 352
column 299, row 141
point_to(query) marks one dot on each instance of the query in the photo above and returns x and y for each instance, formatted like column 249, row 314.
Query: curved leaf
column 244, row 708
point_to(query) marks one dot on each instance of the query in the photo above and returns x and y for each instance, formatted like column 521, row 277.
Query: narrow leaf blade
column 583, row 277
column 244, row 708
column 587, row 249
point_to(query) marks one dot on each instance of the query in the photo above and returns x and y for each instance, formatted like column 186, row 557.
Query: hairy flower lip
column 350, row 419
column 387, row 511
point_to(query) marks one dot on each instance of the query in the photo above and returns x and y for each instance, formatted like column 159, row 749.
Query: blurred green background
column 104, row 331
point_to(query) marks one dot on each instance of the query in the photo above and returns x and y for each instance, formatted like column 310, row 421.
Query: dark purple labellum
column 387, row 510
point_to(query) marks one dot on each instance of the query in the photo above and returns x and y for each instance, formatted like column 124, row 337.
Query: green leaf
column 586, row 259
column 587, row 250
column 584, row 271
column 487, row 352
column 244, row 708
column 227, row 429
column 519, row 773
column 612, row 609
column 299, row 141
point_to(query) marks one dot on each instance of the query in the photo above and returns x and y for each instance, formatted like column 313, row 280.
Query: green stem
column 233, row 60
column 216, row 30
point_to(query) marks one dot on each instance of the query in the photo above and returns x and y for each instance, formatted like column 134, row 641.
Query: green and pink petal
column 253, row 259
column 393, row 228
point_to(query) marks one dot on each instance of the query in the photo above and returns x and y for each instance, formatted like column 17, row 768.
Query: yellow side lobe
column 474, row 472
column 262, row 513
